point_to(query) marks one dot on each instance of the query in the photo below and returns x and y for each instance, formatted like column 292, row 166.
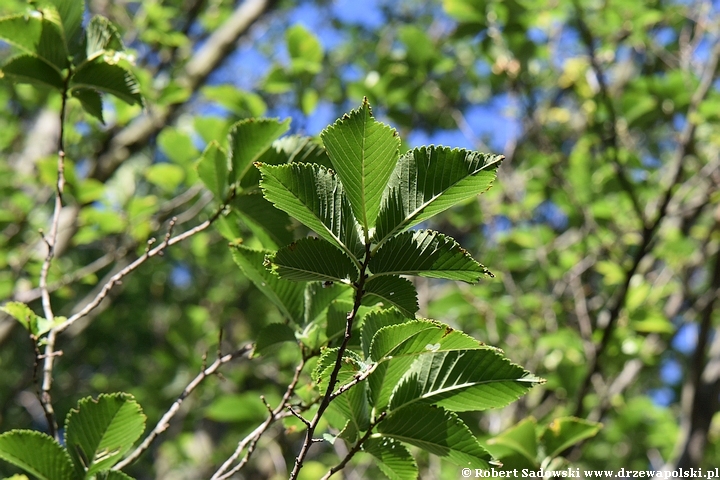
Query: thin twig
column 356, row 448
column 51, row 240
column 251, row 440
column 328, row 397
column 164, row 422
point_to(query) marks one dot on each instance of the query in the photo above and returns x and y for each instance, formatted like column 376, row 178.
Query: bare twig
column 51, row 240
column 164, row 422
column 169, row 240
column 283, row 410
column 328, row 397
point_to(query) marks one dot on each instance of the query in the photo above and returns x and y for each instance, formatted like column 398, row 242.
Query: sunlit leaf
column 428, row 254
column 460, row 381
column 376, row 320
column 37, row 35
column 286, row 295
column 212, row 168
column 37, row 454
column 364, row 152
column 313, row 259
column 429, row 180
column 313, row 195
column 248, row 139
column 565, row 432
column 99, row 432
column 101, row 36
column 520, row 439
column 392, row 291
column 392, row 457
column 436, row 431
column 396, row 347
column 71, row 15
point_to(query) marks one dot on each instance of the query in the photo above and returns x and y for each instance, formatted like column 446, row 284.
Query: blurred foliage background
column 602, row 229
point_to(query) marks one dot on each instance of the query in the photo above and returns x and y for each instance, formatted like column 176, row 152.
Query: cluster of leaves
column 360, row 197
column 98, row 433
column 59, row 53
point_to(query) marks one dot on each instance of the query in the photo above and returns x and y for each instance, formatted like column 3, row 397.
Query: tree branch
column 164, row 422
column 649, row 230
column 45, row 397
column 250, row 441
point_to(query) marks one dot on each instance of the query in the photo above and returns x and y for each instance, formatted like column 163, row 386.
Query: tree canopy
column 244, row 254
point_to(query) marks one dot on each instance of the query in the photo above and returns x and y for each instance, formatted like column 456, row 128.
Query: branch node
column 298, row 416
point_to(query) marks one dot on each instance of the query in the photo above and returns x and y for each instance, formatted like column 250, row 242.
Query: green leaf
column 273, row 334
column 364, row 152
column 352, row 404
column 238, row 101
column 105, row 77
column 306, row 52
column 393, row 291
column 101, row 35
column 429, row 180
column 318, row 297
column 314, row 259
column 565, row 432
column 288, row 149
column 212, row 168
column 273, row 227
column 37, row 454
column 248, row 139
column 115, row 475
column 99, row 432
column 436, row 431
column 90, row 101
column 376, row 320
column 30, row 69
column 337, row 318
column 396, row 347
column 35, row 324
column 393, row 458
column 287, row 296
column 37, row 35
column 520, row 439
column 461, row 381
column 313, row 195
column 428, row 254
column 71, row 15
column 178, row 146
column 165, row 175
column 326, row 363
column 237, row 407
